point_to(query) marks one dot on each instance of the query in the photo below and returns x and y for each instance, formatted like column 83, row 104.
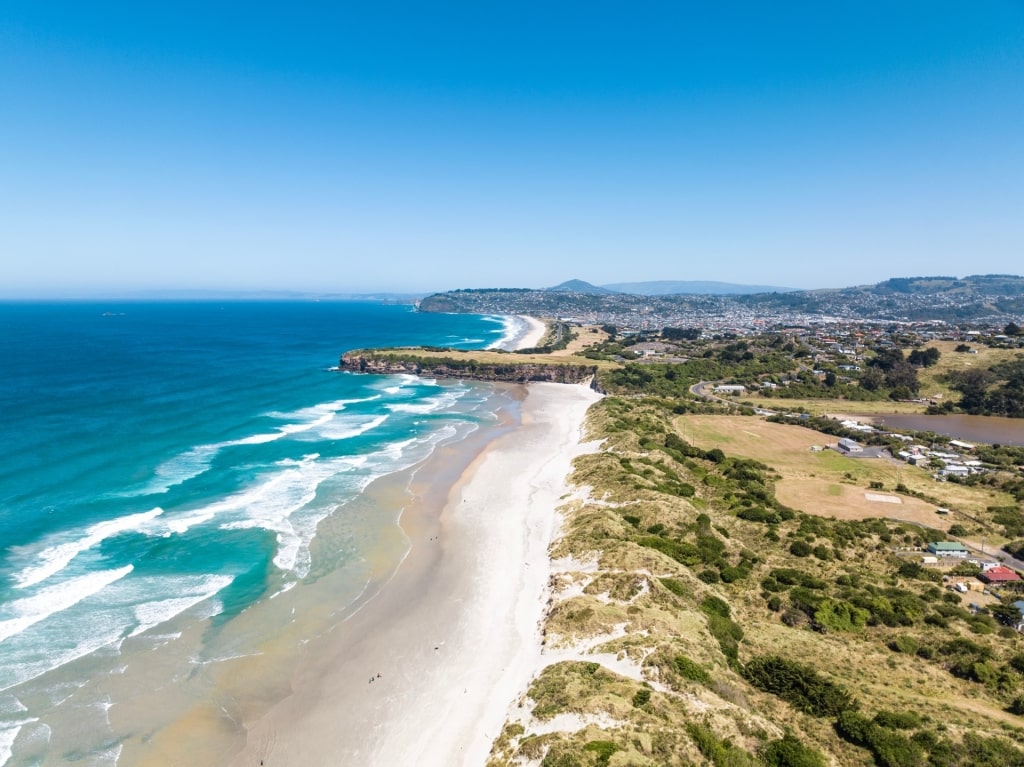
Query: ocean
column 169, row 468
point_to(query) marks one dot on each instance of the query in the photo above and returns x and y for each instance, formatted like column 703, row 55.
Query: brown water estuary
column 971, row 428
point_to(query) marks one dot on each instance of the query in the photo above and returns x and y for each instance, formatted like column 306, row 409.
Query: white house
column 730, row 389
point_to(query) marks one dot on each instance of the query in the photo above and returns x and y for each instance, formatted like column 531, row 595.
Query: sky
column 413, row 147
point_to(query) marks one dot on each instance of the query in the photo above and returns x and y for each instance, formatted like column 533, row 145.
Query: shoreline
column 455, row 632
column 529, row 333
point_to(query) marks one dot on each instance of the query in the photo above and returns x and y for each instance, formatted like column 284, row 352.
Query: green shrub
column 604, row 750
column 642, row 697
column 889, row 747
column 824, row 553
column 732, row 574
column 728, row 634
column 721, row 753
column 904, row 644
column 691, row 670
column 799, row 685
column 800, row 549
column 712, row 605
column 759, row 514
column 790, row 752
column 676, row 587
column 898, row 720
column 836, row 615
column 684, row 553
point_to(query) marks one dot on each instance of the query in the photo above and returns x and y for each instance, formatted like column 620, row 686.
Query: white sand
column 456, row 634
column 533, row 336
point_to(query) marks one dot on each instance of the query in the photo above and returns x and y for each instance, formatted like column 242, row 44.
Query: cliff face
column 385, row 364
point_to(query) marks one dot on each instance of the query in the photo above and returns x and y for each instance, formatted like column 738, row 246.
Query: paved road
column 700, row 389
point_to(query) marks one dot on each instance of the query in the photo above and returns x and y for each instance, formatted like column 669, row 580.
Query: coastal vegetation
column 701, row 613
column 726, row 591
column 994, row 390
column 481, row 366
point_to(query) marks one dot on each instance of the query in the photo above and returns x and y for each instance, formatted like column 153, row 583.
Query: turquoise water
column 165, row 462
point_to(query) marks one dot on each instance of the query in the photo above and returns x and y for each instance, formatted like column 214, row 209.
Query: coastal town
column 940, row 306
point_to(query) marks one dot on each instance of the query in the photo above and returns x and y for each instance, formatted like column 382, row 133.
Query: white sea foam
column 56, row 556
column 152, row 614
column 8, row 734
column 396, row 383
column 109, row 757
column 89, row 639
column 190, row 591
column 429, row 404
column 513, row 327
column 325, row 408
column 351, row 428
column 54, row 599
column 276, row 491
column 285, row 503
column 298, row 462
column 10, row 705
column 198, row 459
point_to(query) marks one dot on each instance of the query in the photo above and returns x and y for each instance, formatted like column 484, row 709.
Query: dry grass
column 586, row 336
column 489, row 357
column 829, row 484
column 931, row 379
column 832, row 406
column 932, row 386
column 663, row 620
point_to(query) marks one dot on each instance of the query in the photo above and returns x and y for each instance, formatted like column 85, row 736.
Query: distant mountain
column 692, row 288
column 579, row 286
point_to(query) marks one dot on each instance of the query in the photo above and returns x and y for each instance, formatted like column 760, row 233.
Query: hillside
column 727, row 593
column 579, row 286
column 984, row 298
column 692, row 287
column 696, row 619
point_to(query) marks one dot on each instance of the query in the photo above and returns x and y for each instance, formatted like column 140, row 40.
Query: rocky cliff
column 467, row 368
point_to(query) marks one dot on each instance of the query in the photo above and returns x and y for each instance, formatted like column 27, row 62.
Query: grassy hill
column 696, row 618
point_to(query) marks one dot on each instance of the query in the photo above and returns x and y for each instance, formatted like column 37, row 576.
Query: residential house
column 948, row 549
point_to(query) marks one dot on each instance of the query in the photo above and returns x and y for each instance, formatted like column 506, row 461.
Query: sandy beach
column 531, row 333
column 454, row 636
column 534, row 335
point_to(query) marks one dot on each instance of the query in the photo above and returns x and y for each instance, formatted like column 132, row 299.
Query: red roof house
column 999, row 574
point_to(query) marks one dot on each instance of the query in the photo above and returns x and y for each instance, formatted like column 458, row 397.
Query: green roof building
column 947, row 549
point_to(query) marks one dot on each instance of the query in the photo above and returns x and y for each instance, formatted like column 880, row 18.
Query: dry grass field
column 586, row 335
column 932, row 386
column 833, row 406
column 489, row 357
column 828, row 484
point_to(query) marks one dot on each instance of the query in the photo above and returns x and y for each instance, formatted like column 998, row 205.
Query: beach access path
column 455, row 634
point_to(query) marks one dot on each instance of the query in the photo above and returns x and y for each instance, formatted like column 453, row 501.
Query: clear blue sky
column 428, row 146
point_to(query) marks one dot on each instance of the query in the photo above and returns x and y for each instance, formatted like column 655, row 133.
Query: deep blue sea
column 170, row 462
